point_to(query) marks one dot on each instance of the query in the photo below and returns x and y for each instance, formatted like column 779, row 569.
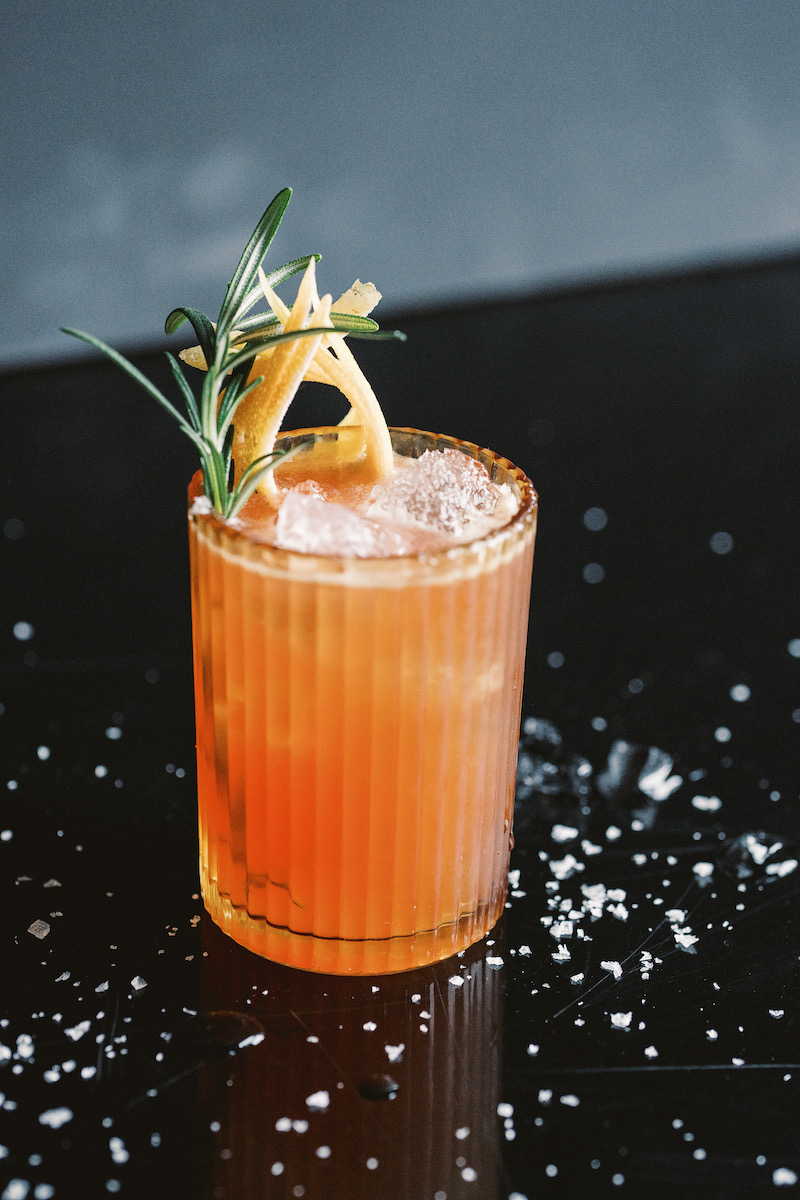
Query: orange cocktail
column 357, row 727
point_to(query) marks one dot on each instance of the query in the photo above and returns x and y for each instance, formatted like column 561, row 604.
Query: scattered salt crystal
column 300, row 1126
column 525, row 951
column 783, row 868
column 319, row 1100
column 570, row 1101
column 784, row 1177
column 703, row 870
column 533, row 1049
column 17, row 1190
column 370, row 1026
column 676, row 915
column 618, row 910
column 685, row 939
column 25, row 1045
column 566, row 867
column 545, row 1095
column 612, row 966
column 579, row 978
column 776, row 1012
column 562, row 929
column 137, row 983
column 707, row 803
column 658, row 784
column 253, row 1039
column 561, row 955
column 712, row 1035
column 39, row 929
column 504, row 1109
column 456, row 980
column 563, row 833
column 621, row 1020
column 612, row 833
column 77, row 1031
column 651, row 1052
column 55, row 1117
column 283, row 1124
column 590, row 848
column 117, row 1149
column 395, row 1053
column 595, row 896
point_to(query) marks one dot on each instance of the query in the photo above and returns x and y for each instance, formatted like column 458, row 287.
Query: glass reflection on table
column 382, row 1086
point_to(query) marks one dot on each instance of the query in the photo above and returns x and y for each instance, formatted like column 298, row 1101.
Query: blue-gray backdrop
column 445, row 149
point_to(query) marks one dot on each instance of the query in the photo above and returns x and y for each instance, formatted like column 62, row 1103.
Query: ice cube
column 311, row 525
column 443, row 490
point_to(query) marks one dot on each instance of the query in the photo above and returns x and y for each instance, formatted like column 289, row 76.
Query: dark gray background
column 445, row 150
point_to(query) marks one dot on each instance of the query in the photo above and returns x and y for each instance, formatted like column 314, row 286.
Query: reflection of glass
column 357, row 725
column 302, row 1113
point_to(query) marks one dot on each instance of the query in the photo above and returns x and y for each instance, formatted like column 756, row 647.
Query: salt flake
column 78, row 1030
column 55, row 1117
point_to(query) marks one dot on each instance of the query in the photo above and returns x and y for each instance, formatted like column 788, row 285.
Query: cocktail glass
column 357, row 729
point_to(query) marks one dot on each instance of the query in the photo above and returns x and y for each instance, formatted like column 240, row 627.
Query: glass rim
column 494, row 540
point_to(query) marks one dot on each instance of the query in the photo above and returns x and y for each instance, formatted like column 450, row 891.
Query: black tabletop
column 631, row 1025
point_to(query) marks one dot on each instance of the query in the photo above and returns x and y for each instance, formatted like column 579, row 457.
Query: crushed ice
column 442, row 490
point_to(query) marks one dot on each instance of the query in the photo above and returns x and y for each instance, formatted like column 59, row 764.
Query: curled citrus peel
column 323, row 359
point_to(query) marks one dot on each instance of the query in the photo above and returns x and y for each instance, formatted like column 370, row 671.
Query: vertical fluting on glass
column 254, row 683
column 326, row 838
column 384, row 860
column 364, row 717
column 231, row 584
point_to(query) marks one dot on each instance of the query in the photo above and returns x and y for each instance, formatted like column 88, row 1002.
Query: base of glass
column 340, row 956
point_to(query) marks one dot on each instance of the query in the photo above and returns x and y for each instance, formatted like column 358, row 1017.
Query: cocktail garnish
column 286, row 345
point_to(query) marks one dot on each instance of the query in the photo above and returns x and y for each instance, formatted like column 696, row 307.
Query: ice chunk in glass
column 443, row 490
column 307, row 523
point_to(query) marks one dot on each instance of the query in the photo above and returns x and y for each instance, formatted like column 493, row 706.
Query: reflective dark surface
column 631, row 1025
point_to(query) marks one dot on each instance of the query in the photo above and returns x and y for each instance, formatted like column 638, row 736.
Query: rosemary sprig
column 229, row 348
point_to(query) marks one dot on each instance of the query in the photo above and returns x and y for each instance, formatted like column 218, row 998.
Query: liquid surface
column 334, row 507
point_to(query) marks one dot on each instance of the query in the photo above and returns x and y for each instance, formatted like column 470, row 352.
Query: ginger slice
column 334, row 363
column 260, row 414
column 326, row 359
